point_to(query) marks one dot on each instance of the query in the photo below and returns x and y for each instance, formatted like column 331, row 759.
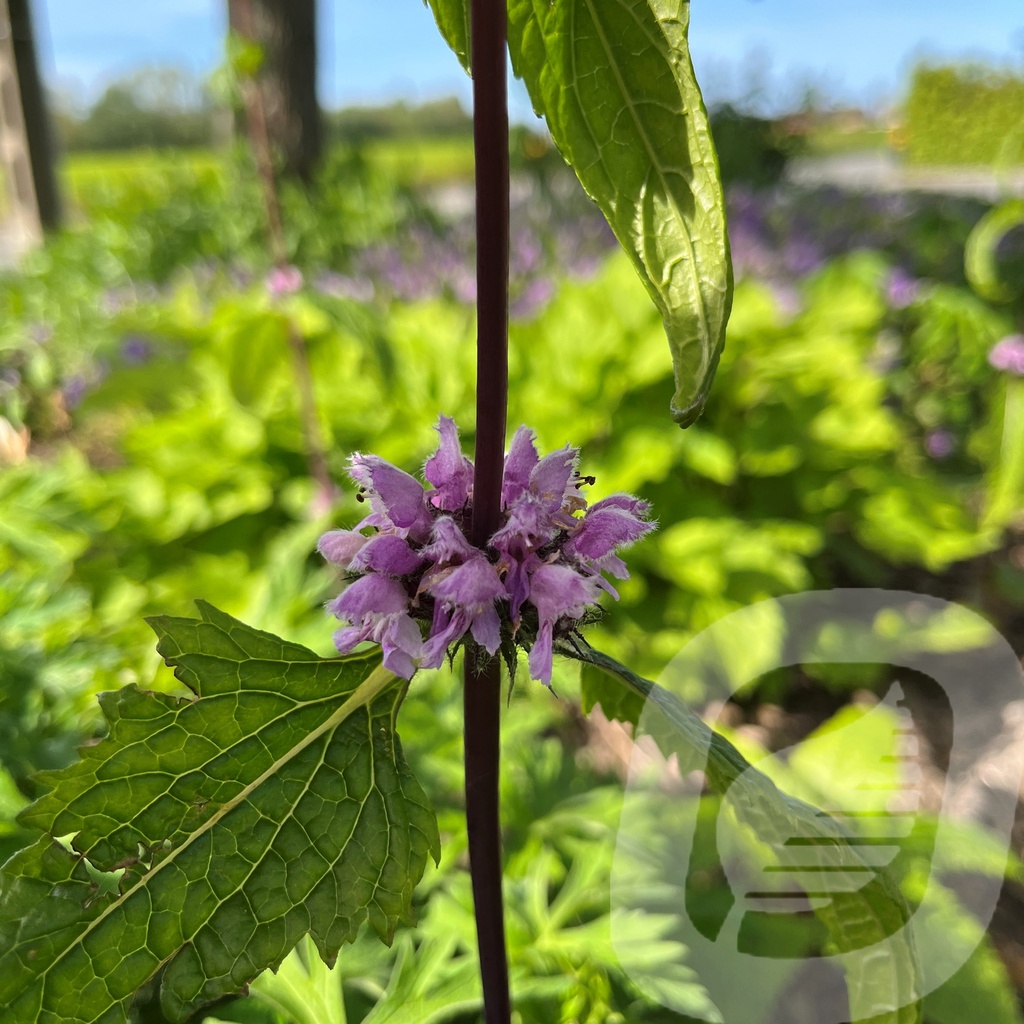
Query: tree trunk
column 286, row 31
column 37, row 120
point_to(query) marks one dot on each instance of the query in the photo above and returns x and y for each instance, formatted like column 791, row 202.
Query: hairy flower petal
column 473, row 586
column 604, row 529
column 401, row 643
column 529, row 525
column 449, row 470
column 558, row 591
column 519, row 464
column 447, row 627
column 448, row 543
column 486, row 629
column 541, row 655
column 551, row 478
column 372, row 594
column 465, row 599
column 341, row 546
column 394, row 493
column 387, row 553
column 635, row 506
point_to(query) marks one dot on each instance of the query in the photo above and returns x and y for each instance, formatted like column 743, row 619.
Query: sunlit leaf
column 616, row 85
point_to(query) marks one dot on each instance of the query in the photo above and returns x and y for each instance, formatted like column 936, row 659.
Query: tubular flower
column 420, row 587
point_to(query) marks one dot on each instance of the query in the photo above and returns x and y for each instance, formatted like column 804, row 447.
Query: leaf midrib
column 694, row 277
column 296, row 705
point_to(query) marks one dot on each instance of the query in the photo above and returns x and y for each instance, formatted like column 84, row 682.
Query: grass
column 413, row 162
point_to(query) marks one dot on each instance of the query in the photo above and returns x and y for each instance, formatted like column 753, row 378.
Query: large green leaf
column 614, row 80
column 209, row 835
column 882, row 989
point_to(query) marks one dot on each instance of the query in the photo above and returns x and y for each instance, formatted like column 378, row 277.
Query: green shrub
column 970, row 114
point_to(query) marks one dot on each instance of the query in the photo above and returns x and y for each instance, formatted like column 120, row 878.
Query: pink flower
column 539, row 575
column 284, row 281
column 1008, row 355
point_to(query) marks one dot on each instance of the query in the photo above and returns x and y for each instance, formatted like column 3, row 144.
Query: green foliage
column 442, row 118
column 208, row 835
column 1006, row 490
column 965, row 115
column 855, row 920
column 750, row 149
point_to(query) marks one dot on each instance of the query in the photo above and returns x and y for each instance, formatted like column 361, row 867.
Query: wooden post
column 20, row 224
column 28, row 193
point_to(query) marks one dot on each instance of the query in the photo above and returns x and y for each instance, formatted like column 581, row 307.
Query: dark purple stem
column 482, row 692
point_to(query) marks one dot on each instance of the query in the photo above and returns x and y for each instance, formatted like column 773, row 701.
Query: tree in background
column 160, row 106
column 285, row 30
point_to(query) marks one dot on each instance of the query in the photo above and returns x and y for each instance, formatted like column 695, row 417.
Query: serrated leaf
column 614, row 80
column 855, row 920
column 207, row 836
column 617, row 703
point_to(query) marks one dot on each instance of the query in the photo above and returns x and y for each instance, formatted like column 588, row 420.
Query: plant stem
column 482, row 691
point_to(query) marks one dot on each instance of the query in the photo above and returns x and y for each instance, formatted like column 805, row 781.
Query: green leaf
column 614, row 80
column 855, row 920
column 616, row 701
column 1006, row 482
column 429, row 983
column 207, row 836
column 981, row 253
column 453, row 21
column 304, row 989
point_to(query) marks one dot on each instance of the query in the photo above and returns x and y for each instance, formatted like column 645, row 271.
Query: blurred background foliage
column 152, row 452
column 966, row 114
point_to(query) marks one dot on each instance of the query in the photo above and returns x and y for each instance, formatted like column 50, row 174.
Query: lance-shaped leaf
column 885, row 989
column 208, row 835
column 614, row 80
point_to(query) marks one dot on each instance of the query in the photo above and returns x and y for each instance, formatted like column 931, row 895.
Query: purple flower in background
column 341, row 286
column 135, row 350
column 284, row 281
column 1008, row 355
column 533, row 298
column 40, row 333
column 940, row 444
column 537, row 577
column 901, row 289
column 74, row 390
column 802, row 256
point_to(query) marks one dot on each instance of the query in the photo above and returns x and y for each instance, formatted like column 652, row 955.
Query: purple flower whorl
column 540, row 574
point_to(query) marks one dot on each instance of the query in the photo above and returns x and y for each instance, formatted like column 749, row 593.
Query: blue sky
column 381, row 49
